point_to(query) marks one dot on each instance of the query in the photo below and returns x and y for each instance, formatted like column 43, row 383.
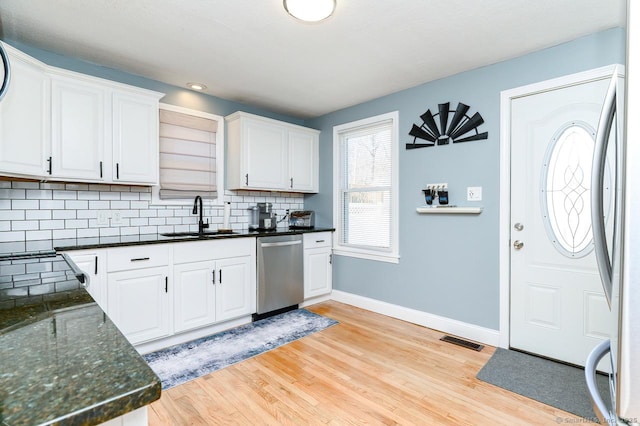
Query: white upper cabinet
column 74, row 127
column 25, row 118
column 78, row 130
column 303, row 161
column 135, row 138
column 271, row 155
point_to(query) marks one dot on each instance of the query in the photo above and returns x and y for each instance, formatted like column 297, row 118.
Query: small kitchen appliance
column 262, row 218
column 302, row 219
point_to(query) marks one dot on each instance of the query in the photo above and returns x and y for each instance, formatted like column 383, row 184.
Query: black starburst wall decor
column 456, row 130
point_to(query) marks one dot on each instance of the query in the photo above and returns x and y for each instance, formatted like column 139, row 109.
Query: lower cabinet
column 317, row 264
column 210, row 291
column 92, row 264
column 139, row 303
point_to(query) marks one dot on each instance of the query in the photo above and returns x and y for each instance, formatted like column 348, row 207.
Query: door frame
column 506, row 96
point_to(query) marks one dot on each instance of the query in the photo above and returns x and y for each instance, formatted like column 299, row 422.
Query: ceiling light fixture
column 196, row 86
column 310, row 10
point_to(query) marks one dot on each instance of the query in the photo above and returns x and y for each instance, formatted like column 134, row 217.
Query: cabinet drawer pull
column 138, row 259
column 319, row 241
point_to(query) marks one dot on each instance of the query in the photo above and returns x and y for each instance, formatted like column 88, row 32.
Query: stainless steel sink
column 197, row 234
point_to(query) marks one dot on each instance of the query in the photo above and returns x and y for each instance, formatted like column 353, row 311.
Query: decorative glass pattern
column 566, row 189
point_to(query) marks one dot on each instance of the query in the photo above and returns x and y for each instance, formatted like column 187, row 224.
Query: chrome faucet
column 201, row 225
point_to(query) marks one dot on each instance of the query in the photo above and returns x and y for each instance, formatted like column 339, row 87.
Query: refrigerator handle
column 607, row 117
column 599, row 407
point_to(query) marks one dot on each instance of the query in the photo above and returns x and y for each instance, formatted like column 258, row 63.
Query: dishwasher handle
column 282, row 243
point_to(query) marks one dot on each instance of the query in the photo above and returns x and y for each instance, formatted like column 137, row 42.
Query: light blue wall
column 174, row 95
column 449, row 263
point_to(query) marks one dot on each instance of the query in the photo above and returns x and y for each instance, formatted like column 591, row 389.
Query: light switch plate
column 474, row 193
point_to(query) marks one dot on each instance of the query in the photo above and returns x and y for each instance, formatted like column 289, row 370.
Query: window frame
column 220, row 161
column 390, row 255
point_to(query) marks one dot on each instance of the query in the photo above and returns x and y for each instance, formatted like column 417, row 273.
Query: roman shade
column 187, row 156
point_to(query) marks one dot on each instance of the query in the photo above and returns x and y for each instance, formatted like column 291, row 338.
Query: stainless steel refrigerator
column 618, row 252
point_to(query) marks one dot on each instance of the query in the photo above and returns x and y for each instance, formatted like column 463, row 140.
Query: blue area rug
column 181, row 363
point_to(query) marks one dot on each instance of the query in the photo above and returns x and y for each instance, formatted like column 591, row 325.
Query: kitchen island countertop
column 62, row 360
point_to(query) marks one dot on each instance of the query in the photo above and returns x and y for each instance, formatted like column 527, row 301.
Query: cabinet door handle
column 166, row 284
column 117, row 170
column 213, row 280
column 138, row 259
column 50, row 161
column 101, row 169
column 291, row 182
column 220, row 277
column 96, row 266
column 330, row 259
column 246, row 179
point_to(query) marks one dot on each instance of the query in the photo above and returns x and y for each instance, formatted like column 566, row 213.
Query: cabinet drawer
column 198, row 251
column 136, row 257
column 316, row 239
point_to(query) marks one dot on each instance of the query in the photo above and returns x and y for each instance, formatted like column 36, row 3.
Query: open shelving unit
column 448, row 210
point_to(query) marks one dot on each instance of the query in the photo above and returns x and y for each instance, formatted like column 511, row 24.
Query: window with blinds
column 188, row 154
column 366, row 187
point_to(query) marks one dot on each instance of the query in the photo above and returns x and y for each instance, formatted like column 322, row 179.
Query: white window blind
column 187, row 156
column 366, row 186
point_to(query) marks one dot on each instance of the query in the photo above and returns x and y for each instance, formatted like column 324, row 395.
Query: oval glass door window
column 566, row 189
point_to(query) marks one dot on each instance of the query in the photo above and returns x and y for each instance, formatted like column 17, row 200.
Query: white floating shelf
column 448, row 210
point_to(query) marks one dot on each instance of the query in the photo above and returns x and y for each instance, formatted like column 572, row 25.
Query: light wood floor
column 369, row 369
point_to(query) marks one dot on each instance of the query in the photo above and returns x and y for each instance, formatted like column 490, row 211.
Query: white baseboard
column 465, row 330
column 317, row 299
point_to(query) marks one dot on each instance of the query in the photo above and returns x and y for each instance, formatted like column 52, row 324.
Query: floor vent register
column 464, row 343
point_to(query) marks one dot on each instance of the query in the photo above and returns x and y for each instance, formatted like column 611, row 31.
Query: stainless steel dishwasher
column 280, row 274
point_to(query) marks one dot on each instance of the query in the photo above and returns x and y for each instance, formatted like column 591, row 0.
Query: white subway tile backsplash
column 64, row 214
column 88, row 195
column 109, row 232
column 51, row 224
column 26, row 185
column 143, row 221
column 76, row 204
column 39, row 194
column 130, row 196
column 25, row 204
column 120, row 205
column 24, row 225
column 76, row 223
column 65, row 195
column 52, row 204
column 37, row 214
column 38, row 235
column 109, row 195
column 63, row 233
column 89, row 232
column 44, row 210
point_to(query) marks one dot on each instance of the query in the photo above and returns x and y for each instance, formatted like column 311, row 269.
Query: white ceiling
column 251, row 51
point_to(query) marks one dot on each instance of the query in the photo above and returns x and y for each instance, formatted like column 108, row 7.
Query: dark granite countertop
column 138, row 239
column 62, row 360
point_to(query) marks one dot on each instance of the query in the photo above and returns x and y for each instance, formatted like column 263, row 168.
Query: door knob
column 518, row 226
column 517, row 244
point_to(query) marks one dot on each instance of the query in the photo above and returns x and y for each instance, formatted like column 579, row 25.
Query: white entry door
column 558, row 309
